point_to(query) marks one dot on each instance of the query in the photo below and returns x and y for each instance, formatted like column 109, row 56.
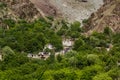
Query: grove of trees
column 88, row 60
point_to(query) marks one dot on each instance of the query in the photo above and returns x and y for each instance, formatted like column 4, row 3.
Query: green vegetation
column 2, row 5
column 89, row 59
column 29, row 37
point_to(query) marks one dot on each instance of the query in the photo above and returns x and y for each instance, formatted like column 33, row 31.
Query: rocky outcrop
column 69, row 9
column 45, row 7
column 22, row 9
column 30, row 9
column 107, row 16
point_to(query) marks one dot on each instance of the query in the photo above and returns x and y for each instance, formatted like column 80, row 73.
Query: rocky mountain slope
column 69, row 9
column 77, row 9
column 19, row 9
column 107, row 16
column 45, row 7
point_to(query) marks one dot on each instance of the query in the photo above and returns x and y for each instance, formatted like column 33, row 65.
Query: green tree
column 7, row 51
column 79, row 44
column 102, row 76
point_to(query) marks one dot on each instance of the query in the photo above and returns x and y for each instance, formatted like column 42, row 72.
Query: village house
column 109, row 47
column 36, row 56
column 42, row 55
column 67, row 42
column 67, row 46
column 30, row 55
column 49, row 46
column 118, row 63
column 0, row 57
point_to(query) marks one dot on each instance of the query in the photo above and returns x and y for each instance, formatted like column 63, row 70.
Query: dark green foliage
column 59, row 58
column 9, row 22
column 29, row 37
column 70, row 30
column 2, row 5
column 85, row 21
column 107, row 31
column 89, row 59
column 79, row 44
column 64, row 75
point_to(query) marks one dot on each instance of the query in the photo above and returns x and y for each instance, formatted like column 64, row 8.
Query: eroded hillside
column 107, row 16
column 69, row 9
column 45, row 7
column 22, row 9
column 77, row 9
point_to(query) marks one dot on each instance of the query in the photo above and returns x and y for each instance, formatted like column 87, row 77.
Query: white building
column 49, row 46
column 118, row 63
column 30, row 55
column 1, row 57
column 36, row 56
column 67, row 42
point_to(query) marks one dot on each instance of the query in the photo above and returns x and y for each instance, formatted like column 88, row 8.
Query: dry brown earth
column 107, row 16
